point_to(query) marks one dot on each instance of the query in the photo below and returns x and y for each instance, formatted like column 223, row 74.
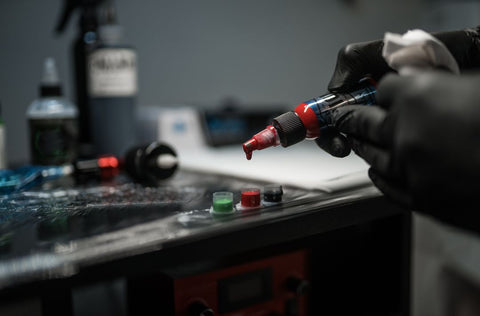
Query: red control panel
column 273, row 286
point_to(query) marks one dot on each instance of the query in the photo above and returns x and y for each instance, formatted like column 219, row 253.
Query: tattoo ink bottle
column 308, row 119
column 52, row 121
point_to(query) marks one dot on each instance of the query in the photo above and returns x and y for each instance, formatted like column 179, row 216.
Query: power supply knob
column 297, row 285
column 199, row 308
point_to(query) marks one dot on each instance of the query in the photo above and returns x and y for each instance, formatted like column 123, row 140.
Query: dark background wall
column 197, row 52
column 257, row 51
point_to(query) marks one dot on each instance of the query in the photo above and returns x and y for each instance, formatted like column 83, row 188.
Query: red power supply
column 272, row 286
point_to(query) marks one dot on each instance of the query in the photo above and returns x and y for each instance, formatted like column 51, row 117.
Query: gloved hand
column 422, row 143
column 354, row 62
column 358, row 60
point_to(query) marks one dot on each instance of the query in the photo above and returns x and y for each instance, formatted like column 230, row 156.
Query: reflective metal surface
column 52, row 232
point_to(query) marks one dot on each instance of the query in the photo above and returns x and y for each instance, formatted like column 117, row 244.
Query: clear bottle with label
column 112, row 77
column 52, row 121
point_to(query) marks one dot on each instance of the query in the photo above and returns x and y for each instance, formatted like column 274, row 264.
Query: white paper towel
column 415, row 50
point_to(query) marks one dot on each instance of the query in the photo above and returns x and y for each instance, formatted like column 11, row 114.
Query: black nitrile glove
column 422, row 143
column 359, row 60
column 333, row 142
column 354, row 62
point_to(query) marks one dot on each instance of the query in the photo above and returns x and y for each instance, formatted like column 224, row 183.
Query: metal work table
column 56, row 239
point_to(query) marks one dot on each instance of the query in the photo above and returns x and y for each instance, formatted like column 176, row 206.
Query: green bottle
column 52, row 121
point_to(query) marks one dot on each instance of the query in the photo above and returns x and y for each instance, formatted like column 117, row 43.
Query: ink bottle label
column 112, row 72
column 53, row 141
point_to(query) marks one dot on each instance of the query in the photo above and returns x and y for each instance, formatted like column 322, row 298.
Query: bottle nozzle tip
column 50, row 73
column 249, row 147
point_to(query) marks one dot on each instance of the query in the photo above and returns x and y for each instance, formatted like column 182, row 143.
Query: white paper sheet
column 304, row 165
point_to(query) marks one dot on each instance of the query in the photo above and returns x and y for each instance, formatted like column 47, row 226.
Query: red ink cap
column 102, row 168
column 250, row 198
column 264, row 139
column 109, row 167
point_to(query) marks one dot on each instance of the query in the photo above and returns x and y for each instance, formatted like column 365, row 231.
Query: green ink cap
column 223, row 202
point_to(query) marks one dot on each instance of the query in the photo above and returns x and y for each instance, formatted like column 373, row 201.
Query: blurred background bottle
column 112, row 88
column 52, row 121
column 83, row 43
column 3, row 150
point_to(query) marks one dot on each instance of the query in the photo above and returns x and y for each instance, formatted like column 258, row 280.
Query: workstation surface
column 63, row 236
column 58, row 238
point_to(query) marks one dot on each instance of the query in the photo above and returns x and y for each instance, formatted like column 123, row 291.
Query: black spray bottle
column 84, row 42
column 112, row 88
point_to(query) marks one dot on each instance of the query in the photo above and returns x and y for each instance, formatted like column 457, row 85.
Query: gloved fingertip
column 388, row 88
column 334, row 87
column 335, row 84
column 354, row 142
column 372, row 174
column 341, row 118
column 335, row 144
column 340, row 147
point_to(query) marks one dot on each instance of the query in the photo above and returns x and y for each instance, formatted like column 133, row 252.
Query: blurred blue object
column 13, row 180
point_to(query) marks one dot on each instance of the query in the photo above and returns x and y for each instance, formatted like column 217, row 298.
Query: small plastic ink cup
column 249, row 200
column 222, row 203
column 272, row 194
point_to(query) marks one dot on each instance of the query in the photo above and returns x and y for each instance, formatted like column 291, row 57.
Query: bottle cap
column 151, row 163
column 110, row 34
column 50, row 83
column 290, row 128
column 102, row 168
